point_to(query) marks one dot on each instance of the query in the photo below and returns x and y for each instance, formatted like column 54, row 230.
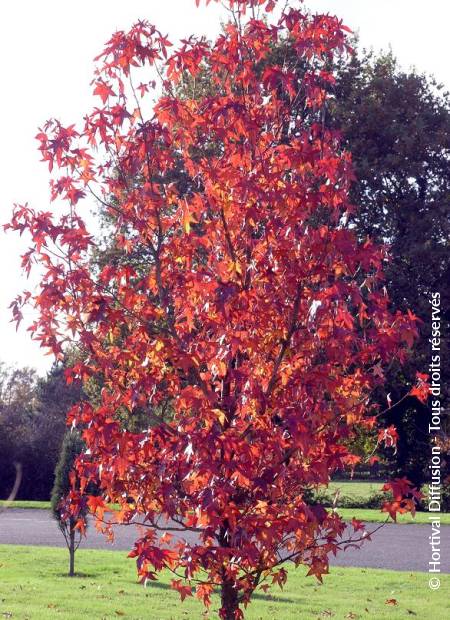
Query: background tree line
column 32, row 426
column 396, row 124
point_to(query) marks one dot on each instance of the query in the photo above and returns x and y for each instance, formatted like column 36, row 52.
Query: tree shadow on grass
column 257, row 595
column 273, row 599
column 79, row 575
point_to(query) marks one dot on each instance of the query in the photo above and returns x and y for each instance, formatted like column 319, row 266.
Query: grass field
column 376, row 516
column 25, row 503
column 356, row 489
column 33, row 587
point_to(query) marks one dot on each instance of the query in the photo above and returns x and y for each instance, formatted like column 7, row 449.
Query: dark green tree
column 72, row 446
column 54, row 398
column 397, row 126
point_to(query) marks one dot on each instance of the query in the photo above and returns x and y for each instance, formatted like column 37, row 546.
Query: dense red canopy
column 238, row 302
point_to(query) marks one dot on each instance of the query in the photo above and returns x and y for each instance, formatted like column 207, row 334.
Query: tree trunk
column 72, row 553
column 228, row 590
column 229, row 599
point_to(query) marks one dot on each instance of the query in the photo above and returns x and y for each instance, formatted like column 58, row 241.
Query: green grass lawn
column 33, row 586
column 356, row 489
column 376, row 516
column 28, row 503
column 25, row 503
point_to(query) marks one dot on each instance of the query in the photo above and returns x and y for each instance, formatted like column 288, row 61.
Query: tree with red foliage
column 240, row 302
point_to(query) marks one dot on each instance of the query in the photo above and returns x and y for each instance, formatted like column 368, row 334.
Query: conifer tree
column 72, row 447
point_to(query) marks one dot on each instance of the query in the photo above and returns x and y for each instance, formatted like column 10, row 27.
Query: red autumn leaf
column 389, row 436
column 422, row 389
column 204, row 592
column 97, row 505
column 183, row 591
column 103, row 90
column 357, row 524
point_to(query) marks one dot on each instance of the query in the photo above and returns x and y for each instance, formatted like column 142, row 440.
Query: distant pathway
column 396, row 547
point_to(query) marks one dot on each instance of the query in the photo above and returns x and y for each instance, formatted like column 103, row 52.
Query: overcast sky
column 46, row 51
